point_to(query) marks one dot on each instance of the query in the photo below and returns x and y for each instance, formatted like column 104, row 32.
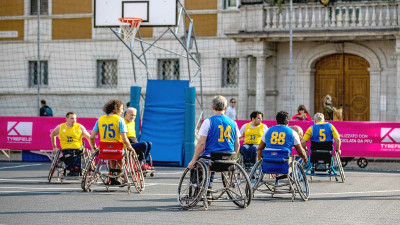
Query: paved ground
column 26, row 197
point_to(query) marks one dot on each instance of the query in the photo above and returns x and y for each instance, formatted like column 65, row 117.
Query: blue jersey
column 322, row 132
column 279, row 137
column 221, row 135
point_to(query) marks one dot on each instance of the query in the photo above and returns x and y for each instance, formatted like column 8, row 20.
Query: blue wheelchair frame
column 284, row 178
column 319, row 166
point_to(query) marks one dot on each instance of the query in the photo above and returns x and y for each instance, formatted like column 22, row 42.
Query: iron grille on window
column 107, row 75
column 34, row 75
column 232, row 4
column 230, row 72
column 168, row 69
column 44, row 7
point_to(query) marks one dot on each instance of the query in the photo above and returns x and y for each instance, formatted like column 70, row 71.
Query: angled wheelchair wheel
column 135, row 171
column 340, row 166
column 256, row 175
column 300, row 179
column 238, row 186
column 90, row 175
column 192, row 185
column 54, row 164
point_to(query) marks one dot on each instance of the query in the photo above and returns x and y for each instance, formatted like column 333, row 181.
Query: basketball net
column 129, row 27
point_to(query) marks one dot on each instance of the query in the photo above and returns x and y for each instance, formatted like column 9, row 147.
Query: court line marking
column 25, row 165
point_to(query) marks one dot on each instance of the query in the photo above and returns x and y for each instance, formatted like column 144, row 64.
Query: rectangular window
column 34, row 74
column 230, row 72
column 232, row 4
column 44, row 7
column 168, row 69
column 107, row 73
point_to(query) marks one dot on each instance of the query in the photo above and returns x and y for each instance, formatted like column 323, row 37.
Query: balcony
column 361, row 20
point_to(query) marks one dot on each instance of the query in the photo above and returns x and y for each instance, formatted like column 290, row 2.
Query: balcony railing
column 340, row 16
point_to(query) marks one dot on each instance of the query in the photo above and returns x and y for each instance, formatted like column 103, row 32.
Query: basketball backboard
column 155, row 13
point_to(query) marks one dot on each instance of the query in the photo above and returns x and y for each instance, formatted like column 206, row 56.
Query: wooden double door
column 346, row 78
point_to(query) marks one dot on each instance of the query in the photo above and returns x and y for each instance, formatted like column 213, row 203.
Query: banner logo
column 19, row 132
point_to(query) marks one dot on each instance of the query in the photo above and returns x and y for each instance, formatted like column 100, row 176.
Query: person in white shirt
column 252, row 133
column 230, row 110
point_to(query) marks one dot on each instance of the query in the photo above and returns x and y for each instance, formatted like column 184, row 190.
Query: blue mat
column 164, row 120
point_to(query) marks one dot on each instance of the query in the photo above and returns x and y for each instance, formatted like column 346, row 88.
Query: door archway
column 346, row 78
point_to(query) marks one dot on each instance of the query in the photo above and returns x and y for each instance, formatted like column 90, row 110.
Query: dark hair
column 128, row 104
column 255, row 114
column 232, row 99
column 302, row 107
column 112, row 106
column 43, row 102
column 282, row 117
column 69, row 113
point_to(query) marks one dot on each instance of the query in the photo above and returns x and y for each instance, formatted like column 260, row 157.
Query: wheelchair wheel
column 90, row 175
column 238, row 186
column 192, row 185
column 340, row 166
column 300, row 179
column 54, row 164
column 136, row 173
column 256, row 175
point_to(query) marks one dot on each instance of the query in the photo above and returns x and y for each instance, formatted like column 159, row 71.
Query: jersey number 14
column 226, row 133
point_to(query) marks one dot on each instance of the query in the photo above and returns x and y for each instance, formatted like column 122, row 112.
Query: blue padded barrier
column 135, row 103
column 164, row 120
column 188, row 148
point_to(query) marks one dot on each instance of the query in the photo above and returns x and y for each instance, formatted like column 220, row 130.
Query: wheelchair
column 195, row 184
column 322, row 163
column 279, row 173
column 99, row 172
column 58, row 168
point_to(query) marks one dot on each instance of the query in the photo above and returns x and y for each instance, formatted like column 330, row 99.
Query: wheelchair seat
column 111, row 150
column 222, row 161
column 275, row 161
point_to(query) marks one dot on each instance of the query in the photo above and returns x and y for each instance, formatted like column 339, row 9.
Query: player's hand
column 55, row 150
column 339, row 151
column 191, row 164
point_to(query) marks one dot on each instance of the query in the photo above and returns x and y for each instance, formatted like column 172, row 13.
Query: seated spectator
column 302, row 114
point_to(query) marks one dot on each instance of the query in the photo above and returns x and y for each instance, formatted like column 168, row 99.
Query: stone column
column 243, row 88
column 260, row 87
column 397, row 49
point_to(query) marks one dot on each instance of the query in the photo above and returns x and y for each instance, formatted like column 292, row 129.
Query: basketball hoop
column 129, row 27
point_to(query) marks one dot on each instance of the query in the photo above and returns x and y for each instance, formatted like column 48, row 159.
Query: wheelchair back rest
column 321, row 156
column 222, row 161
column 275, row 161
column 111, row 150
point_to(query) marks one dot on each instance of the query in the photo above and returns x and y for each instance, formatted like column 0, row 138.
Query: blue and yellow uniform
column 221, row 135
column 279, row 137
column 321, row 135
column 110, row 128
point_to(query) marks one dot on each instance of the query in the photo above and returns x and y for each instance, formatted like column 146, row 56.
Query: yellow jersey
column 253, row 135
column 109, row 128
column 70, row 137
column 130, row 126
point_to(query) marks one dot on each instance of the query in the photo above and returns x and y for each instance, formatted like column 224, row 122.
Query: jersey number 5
column 322, row 135
column 278, row 138
column 226, row 133
column 108, row 128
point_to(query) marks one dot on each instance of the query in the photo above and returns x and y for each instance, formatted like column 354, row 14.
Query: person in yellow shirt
column 252, row 133
column 70, row 135
column 112, row 128
column 141, row 148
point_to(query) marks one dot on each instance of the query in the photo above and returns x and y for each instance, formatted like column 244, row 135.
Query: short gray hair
column 219, row 103
column 319, row 117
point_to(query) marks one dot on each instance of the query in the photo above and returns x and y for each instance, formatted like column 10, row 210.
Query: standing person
column 141, row 148
column 281, row 137
column 70, row 135
column 217, row 133
column 252, row 133
column 302, row 114
column 45, row 110
column 231, row 111
column 322, row 135
column 328, row 108
column 112, row 128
